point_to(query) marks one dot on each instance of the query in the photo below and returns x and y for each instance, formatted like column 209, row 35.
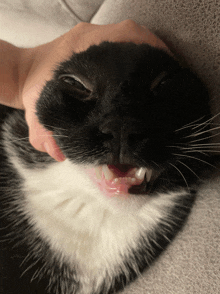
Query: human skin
column 24, row 71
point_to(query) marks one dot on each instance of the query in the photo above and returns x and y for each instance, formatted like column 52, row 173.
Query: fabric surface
column 191, row 28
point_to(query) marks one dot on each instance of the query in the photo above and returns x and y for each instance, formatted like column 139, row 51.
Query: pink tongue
column 117, row 186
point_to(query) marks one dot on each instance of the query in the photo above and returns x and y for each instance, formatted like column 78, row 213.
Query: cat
column 134, row 127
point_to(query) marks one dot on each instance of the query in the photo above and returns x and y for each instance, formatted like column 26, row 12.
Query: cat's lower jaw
column 100, row 238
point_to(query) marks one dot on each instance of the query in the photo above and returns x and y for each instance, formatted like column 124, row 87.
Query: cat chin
column 98, row 235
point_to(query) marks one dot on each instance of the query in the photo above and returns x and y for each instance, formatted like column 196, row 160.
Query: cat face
column 128, row 111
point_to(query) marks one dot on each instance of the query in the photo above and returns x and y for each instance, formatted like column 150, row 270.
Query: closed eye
column 74, row 81
column 160, row 80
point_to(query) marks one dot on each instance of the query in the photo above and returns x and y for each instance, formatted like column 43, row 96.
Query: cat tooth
column 130, row 180
column 140, row 173
column 127, row 180
column 98, row 172
column 148, row 174
column 133, row 180
column 107, row 173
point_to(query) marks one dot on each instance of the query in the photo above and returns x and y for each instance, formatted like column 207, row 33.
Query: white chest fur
column 82, row 225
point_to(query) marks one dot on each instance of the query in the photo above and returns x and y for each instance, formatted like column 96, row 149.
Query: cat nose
column 121, row 130
column 120, row 138
column 111, row 128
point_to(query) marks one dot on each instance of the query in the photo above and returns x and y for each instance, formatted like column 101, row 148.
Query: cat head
column 131, row 108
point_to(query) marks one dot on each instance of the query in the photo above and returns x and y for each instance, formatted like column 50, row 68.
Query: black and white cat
column 134, row 127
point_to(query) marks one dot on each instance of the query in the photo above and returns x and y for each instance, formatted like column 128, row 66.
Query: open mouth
column 115, row 180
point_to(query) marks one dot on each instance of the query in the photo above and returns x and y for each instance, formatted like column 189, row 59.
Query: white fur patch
column 85, row 227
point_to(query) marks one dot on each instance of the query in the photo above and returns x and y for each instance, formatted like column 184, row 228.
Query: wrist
column 25, row 64
column 9, row 74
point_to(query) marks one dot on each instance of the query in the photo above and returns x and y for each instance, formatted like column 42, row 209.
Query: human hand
column 37, row 65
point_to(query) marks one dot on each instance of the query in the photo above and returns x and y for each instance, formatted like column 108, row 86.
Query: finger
column 154, row 41
column 53, row 149
column 42, row 139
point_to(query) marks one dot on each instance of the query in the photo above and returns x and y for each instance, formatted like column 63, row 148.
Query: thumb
column 42, row 139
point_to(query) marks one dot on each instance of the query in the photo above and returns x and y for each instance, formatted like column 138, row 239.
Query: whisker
column 214, row 116
column 189, row 125
column 188, row 168
column 196, row 147
column 200, row 147
column 61, row 136
column 57, row 128
column 201, row 133
column 203, row 125
column 27, row 138
column 17, row 140
column 191, row 149
column 195, row 125
column 202, row 150
column 205, row 138
column 201, row 128
column 206, row 144
column 207, row 121
column 192, row 157
column 180, row 174
column 198, row 151
column 156, row 164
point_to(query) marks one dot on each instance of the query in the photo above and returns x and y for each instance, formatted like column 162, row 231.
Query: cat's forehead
column 117, row 61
